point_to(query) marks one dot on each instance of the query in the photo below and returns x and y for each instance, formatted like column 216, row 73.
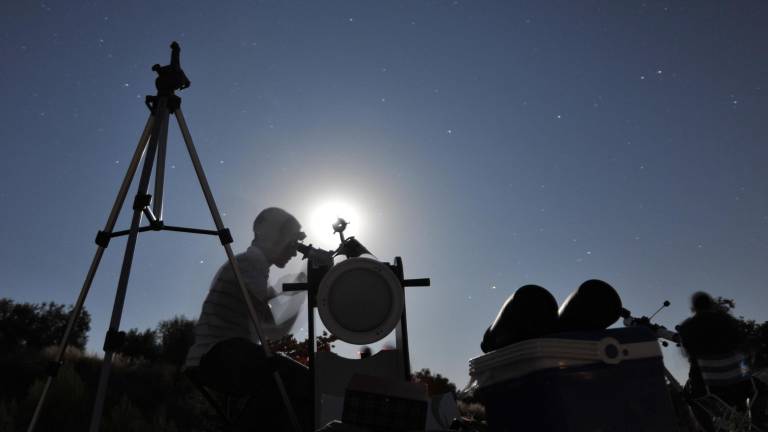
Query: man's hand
column 175, row 46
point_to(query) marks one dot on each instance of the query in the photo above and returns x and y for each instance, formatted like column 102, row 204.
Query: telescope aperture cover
column 360, row 300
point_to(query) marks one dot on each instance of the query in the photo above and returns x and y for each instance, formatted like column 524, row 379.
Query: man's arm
column 258, row 291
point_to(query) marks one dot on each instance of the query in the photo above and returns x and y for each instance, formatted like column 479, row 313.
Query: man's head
column 276, row 232
column 701, row 302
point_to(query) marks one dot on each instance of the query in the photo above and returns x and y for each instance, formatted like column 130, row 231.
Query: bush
column 66, row 405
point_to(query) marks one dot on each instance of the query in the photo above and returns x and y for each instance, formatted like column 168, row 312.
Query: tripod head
column 169, row 77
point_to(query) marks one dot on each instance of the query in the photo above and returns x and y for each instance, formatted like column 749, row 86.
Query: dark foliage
column 756, row 336
column 177, row 335
column 436, row 384
column 169, row 342
column 140, row 346
column 172, row 338
column 297, row 350
column 757, row 342
column 38, row 325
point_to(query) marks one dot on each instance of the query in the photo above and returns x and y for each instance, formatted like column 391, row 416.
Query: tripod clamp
column 173, row 103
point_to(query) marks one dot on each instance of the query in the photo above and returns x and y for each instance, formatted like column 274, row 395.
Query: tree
column 177, row 335
column 172, row 339
column 141, row 345
column 757, row 342
column 436, row 384
column 38, row 325
column 756, row 335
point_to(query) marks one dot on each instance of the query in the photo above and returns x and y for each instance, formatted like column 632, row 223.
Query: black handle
column 417, row 282
column 296, row 286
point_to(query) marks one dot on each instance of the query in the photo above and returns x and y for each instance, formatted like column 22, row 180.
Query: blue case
column 609, row 380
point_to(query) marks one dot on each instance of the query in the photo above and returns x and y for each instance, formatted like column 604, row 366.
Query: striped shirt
column 224, row 314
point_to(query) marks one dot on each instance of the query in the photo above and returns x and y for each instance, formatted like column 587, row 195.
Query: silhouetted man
column 227, row 351
column 712, row 333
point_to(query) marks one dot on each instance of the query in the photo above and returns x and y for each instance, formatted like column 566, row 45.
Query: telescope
column 360, row 300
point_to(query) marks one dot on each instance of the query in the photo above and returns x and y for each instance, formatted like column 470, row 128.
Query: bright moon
column 320, row 232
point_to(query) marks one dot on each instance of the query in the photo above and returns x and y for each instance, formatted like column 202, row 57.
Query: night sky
column 491, row 144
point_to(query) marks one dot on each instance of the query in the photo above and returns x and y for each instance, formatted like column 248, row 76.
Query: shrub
column 66, row 405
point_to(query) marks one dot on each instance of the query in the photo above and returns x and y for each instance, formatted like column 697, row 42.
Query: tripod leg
column 233, row 262
column 75, row 314
column 114, row 326
column 157, row 199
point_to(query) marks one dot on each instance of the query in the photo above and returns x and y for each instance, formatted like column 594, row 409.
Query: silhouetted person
column 227, row 354
column 713, row 333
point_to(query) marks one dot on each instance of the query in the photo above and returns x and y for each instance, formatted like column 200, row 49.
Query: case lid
column 563, row 351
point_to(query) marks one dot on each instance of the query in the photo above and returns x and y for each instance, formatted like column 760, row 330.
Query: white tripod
column 152, row 142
